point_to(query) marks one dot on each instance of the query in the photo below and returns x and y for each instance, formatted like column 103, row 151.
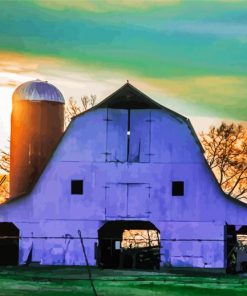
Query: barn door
column 127, row 200
column 117, row 125
column 139, row 150
column 138, row 200
column 116, row 200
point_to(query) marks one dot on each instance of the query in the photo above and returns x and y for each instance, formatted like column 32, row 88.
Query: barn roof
column 126, row 97
column 129, row 96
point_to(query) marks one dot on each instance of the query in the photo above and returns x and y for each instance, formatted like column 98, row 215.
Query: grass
column 69, row 281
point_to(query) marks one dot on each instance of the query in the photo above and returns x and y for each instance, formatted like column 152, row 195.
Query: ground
column 68, row 281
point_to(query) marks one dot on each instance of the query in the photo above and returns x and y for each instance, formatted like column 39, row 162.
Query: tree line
column 225, row 151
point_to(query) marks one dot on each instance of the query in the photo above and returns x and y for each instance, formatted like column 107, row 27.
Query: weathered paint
column 94, row 149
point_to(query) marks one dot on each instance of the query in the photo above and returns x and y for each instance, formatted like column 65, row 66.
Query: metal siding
column 138, row 200
column 37, row 90
column 140, row 121
column 94, row 137
column 172, row 141
column 117, row 125
column 36, row 129
column 85, row 139
column 116, row 200
column 160, row 144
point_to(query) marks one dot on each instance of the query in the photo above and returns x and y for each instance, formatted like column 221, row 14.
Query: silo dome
column 37, row 90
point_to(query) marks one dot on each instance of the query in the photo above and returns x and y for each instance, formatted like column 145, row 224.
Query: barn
column 129, row 179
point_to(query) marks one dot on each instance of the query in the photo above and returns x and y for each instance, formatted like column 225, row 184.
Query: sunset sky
column 189, row 55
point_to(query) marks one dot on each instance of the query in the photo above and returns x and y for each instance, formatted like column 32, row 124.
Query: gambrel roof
column 129, row 97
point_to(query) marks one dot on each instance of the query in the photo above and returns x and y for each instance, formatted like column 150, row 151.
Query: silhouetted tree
column 74, row 107
column 4, row 188
column 5, row 161
column 140, row 238
column 226, row 152
column 4, row 174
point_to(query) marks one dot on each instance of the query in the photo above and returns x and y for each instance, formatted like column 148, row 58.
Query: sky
column 189, row 55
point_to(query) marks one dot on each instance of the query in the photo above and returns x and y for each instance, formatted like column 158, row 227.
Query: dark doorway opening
column 231, row 242
column 9, row 244
column 129, row 244
column 236, row 248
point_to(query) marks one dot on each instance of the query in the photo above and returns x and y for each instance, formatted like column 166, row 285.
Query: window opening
column 177, row 188
column 77, row 187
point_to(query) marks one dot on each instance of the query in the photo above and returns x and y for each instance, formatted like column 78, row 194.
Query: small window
column 77, row 187
column 177, row 188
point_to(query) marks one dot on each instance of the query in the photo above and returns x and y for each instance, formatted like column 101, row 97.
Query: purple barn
column 126, row 164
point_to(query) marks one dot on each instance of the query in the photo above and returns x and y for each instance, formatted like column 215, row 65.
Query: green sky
column 192, row 51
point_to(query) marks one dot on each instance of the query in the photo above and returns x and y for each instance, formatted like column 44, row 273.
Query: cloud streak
column 106, row 5
column 221, row 96
column 193, row 53
column 219, row 29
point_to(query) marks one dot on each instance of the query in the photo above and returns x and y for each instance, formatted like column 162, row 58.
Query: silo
column 37, row 123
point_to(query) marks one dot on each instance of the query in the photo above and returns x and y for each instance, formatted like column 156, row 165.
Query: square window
column 177, row 188
column 77, row 187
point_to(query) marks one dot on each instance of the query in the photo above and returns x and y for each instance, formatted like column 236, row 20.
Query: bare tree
column 5, row 161
column 4, row 174
column 226, row 153
column 74, row 107
column 140, row 238
column 4, row 188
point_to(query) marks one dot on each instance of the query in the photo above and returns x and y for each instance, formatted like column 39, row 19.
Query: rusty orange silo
column 37, row 124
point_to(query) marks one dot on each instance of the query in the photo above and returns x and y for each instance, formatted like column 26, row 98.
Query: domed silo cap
column 37, row 90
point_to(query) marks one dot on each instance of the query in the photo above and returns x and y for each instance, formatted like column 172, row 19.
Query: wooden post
column 87, row 264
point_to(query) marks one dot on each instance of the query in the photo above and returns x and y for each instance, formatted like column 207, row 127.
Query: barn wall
column 192, row 244
column 93, row 151
column 202, row 201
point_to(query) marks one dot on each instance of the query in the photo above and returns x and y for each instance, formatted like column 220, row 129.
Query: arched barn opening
column 129, row 244
column 9, row 244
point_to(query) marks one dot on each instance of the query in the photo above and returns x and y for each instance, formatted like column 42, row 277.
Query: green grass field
column 67, row 281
